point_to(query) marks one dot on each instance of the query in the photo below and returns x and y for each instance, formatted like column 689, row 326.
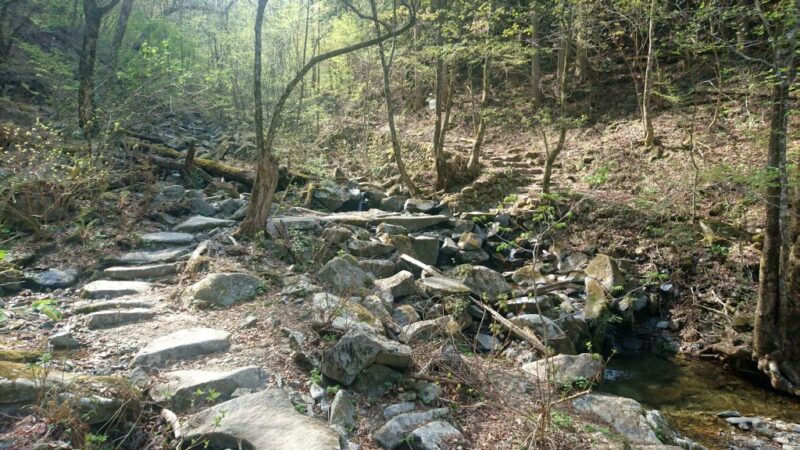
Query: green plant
column 47, row 306
column 332, row 389
column 719, row 252
column 316, row 376
column 96, row 442
column 301, row 408
column 560, row 420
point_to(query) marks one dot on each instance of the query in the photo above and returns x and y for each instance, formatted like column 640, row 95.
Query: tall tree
column 649, row 74
column 475, row 157
column 442, row 98
column 119, row 34
column 266, row 179
column 93, row 14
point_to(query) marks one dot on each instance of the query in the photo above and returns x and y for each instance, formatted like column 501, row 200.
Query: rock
column 543, row 326
column 391, row 230
column 264, row 420
column 442, row 286
column 394, row 432
column 113, row 289
column 484, row 282
column 432, row 328
column 63, row 340
column 527, row 276
column 112, row 318
column 356, row 351
column 183, row 344
column 294, row 223
column 316, row 391
column 427, row 249
column 394, row 203
column 376, row 380
column 397, row 409
column 414, row 223
column 150, row 257
column 299, row 286
column 405, row 315
column 597, row 299
column 343, row 411
column 202, row 207
column 566, row 369
column 184, row 389
column 223, row 289
column 574, row 261
column 625, row 415
column 330, row 197
column 18, row 391
column 228, row 208
column 434, row 436
column 470, row 241
column 339, row 314
column 174, row 192
column 381, row 268
column 399, row 285
column 472, row 256
column 166, row 238
column 369, row 249
column 93, row 306
column 202, row 223
column 427, row 391
column 449, row 248
column 336, row 235
column 419, row 205
column 52, row 278
column 487, row 343
column 148, row 271
column 344, row 275
column 249, row 322
column 605, row 270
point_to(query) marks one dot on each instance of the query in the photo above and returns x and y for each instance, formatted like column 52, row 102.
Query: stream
column 691, row 393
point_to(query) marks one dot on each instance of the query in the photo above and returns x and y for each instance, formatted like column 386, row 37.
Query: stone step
column 115, row 318
column 94, row 306
column 152, row 257
column 178, row 389
column 145, row 272
column 163, row 238
column 202, row 223
column 183, row 344
column 114, row 289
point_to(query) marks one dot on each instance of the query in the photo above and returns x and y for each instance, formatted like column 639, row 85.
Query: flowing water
column 691, row 393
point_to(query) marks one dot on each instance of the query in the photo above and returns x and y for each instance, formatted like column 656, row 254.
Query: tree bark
column 647, row 121
column 475, row 157
column 119, row 35
column 440, row 128
column 387, row 93
column 536, row 58
column 267, row 169
column 565, row 39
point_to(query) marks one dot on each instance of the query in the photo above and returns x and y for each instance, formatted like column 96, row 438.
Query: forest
column 399, row 224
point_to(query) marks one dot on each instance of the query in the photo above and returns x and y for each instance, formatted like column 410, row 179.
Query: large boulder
column 369, row 249
column 344, row 275
column 547, row 331
column 442, row 286
column 183, row 389
column 343, row 315
column 566, row 369
column 223, row 289
column 434, row 436
column 625, row 415
column 484, row 282
column 264, row 420
column 356, row 351
column 602, row 276
column 401, row 284
column 395, row 431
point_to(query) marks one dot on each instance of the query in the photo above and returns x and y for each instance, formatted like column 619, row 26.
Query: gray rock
column 484, row 282
column 376, row 380
column 470, row 241
column 167, row 238
column 399, row 285
column 472, row 256
column 174, row 192
column 63, row 340
column 179, row 389
column 18, row 390
column 52, row 278
column 427, row 391
column 434, row 436
column 546, row 330
column 295, row 223
column 336, row 235
column 381, row 268
column 432, row 328
column 419, row 205
column 397, row 409
column 331, row 197
column 299, row 286
column 202, row 223
column 602, row 275
column 114, row 318
column 148, row 271
column 223, row 289
column 394, row 203
column 566, row 369
column 202, row 207
column 426, row 249
column 625, row 415
column 264, row 420
column 343, row 411
column 344, row 275
column 229, row 208
column 442, row 286
column 395, row 431
column 405, row 315
column 343, row 315
column 151, row 257
column 414, row 223
column 94, row 306
column 527, row 276
column 113, row 289
column 369, row 249
column 391, row 230
column 183, row 344
column 449, row 248
column 356, row 351
column 487, row 343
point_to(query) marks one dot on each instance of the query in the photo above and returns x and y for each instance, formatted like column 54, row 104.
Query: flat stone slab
column 410, row 222
column 113, row 289
column 114, row 318
column 167, row 238
column 147, row 271
column 202, row 223
column 178, row 390
column 443, row 286
column 393, row 432
column 264, row 420
column 183, row 344
column 52, row 278
column 151, row 257
column 296, row 222
column 94, row 306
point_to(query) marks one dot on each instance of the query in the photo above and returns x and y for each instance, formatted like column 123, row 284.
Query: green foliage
column 47, row 306
column 560, row 420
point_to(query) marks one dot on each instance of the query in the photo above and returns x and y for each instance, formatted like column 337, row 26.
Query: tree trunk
column 267, row 170
column 647, row 121
column 439, row 130
column 475, row 156
column 565, row 39
column 122, row 26
column 387, row 93
column 536, row 59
